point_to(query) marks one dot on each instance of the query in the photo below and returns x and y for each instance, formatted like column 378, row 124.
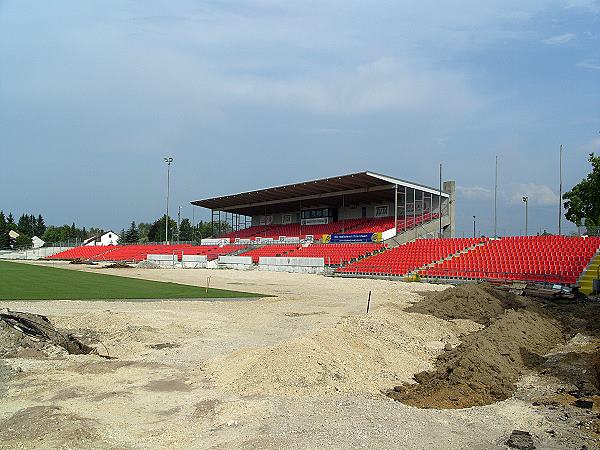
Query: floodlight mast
column 168, row 160
column 526, row 201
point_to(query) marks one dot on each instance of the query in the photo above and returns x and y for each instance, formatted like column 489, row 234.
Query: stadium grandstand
column 342, row 207
column 369, row 225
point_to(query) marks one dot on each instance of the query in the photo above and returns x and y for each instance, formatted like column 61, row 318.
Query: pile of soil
column 33, row 334
column 488, row 363
column 118, row 265
column 480, row 303
column 362, row 353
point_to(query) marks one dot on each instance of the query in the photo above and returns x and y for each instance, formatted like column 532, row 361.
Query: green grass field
column 29, row 282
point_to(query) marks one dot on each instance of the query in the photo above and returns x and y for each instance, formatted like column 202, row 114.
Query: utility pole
column 496, row 200
column 193, row 224
column 178, row 224
column 560, row 191
column 474, row 217
column 526, row 201
column 168, row 160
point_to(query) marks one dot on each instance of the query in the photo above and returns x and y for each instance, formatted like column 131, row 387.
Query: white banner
column 315, row 221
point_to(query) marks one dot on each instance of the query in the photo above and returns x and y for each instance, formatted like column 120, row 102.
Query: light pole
column 168, row 160
column 474, row 217
column 179, row 225
column 526, row 201
column 496, row 200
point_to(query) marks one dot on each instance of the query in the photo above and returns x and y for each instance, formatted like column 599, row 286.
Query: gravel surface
column 302, row 369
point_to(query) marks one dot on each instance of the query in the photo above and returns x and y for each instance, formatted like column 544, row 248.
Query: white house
column 107, row 238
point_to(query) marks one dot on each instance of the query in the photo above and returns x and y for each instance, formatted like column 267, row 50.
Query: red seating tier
column 139, row 252
column 360, row 225
column 408, row 257
column 552, row 259
column 335, row 254
column 269, row 250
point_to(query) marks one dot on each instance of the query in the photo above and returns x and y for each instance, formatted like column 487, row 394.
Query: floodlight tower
column 526, row 201
column 168, row 160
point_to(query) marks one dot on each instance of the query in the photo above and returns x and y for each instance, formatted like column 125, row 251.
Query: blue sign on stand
column 355, row 237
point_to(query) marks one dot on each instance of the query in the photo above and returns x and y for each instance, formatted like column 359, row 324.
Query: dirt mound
column 360, row 354
column 481, row 303
column 485, row 367
column 21, row 332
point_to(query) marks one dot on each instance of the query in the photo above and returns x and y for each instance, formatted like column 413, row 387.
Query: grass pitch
column 29, row 282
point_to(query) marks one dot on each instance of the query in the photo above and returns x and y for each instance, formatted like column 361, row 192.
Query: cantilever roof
column 359, row 186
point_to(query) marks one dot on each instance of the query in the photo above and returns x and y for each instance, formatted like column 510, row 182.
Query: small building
column 37, row 242
column 106, row 238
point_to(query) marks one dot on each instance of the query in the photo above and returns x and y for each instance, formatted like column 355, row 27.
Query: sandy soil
column 303, row 369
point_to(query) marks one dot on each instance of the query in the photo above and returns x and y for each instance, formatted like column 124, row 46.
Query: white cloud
column 379, row 85
column 474, row 192
column 559, row 39
column 538, row 194
column 592, row 6
column 589, row 64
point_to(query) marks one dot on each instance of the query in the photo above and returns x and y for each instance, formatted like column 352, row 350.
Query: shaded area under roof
column 361, row 187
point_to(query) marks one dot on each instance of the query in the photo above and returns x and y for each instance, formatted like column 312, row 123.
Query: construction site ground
column 304, row 368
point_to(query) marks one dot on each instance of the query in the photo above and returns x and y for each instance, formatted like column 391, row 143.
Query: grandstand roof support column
column 440, row 203
column 396, row 207
column 415, row 211
column 405, row 199
column 344, row 214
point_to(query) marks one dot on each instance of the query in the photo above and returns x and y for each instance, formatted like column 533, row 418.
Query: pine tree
column 4, row 239
column 131, row 235
column 186, row 232
column 10, row 223
column 40, row 226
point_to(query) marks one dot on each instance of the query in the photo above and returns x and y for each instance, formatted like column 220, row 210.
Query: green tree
column 40, row 226
column 10, row 223
column 156, row 233
column 4, row 239
column 186, row 232
column 23, row 241
column 143, row 229
column 582, row 203
column 24, row 225
column 131, row 235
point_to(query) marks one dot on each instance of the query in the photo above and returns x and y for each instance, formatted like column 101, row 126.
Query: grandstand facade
column 363, row 203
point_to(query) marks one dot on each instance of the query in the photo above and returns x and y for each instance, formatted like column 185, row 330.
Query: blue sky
column 258, row 93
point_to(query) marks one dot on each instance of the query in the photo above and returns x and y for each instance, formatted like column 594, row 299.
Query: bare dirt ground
column 306, row 368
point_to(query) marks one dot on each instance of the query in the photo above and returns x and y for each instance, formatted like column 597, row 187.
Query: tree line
column 186, row 232
column 29, row 226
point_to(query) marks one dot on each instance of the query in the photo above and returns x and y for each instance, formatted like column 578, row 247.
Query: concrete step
column 454, row 255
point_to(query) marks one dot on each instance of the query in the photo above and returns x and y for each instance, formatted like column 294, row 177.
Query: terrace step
column 439, row 261
column 590, row 274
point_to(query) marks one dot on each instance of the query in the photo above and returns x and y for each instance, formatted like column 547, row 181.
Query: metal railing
column 469, row 274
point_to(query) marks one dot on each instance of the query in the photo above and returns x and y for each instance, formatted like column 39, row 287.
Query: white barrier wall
column 235, row 262
column 32, row 253
column 283, row 264
column 388, row 234
column 222, row 241
column 163, row 260
column 194, row 261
